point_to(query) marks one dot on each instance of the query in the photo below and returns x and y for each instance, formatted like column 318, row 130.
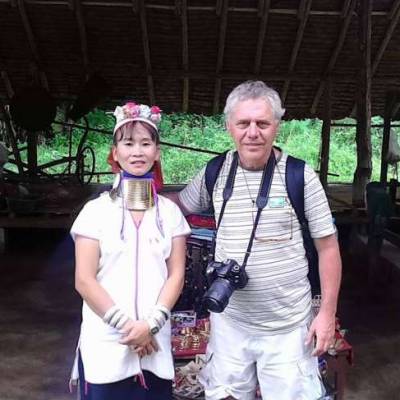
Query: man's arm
column 174, row 196
column 330, row 272
column 193, row 198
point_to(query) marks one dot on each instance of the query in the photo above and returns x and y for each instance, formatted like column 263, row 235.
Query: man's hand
column 323, row 330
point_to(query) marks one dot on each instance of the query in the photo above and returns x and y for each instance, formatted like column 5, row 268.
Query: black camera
column 223, row 278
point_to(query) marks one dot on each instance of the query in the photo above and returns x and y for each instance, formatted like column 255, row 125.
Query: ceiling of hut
column 186, row 55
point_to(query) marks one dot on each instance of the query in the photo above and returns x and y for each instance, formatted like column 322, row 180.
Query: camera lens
column 217, row 296
column 235, row 268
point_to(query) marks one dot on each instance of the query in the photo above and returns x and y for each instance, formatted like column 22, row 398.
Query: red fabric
column 202, row 330
column 187, row 353
column 201, row 221
column 158, row 176
column 115, row 167
column 343, row 346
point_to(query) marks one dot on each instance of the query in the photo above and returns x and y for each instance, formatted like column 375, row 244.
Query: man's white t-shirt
column 277, row 297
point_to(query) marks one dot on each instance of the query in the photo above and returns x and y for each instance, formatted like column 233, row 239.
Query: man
column 266, row 333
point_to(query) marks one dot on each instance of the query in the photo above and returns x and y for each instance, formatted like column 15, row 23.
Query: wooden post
column 146, row 50
column 185, row 55
column 222, row 10
column 263, row 12
column 363, row 170
column 386, row 135
column 13, row 141
column 32, row 153
column 326, row 137
column 347, row 14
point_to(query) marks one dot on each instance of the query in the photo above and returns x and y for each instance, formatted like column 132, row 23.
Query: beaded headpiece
column 137, row 112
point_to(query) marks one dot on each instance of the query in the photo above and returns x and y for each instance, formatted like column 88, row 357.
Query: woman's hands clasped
column 137, row 335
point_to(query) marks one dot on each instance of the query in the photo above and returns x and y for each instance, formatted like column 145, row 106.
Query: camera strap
column 262, row 197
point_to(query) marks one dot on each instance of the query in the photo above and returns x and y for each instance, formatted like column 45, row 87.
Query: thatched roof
column 188, row 54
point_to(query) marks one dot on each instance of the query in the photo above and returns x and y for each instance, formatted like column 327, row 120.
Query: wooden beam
column 261, row 35
column 32, row 43
column 393, row 10
column 388, row 35
column 218, row 7
column 12, row 137
column 128, row 4
column 385, row 147
column 185, row 55
column 241, row 76
column 220, row 56
column 32, row 141
column 363, row 170
column 326, row 136
column 260, row 8
column 303, row 13
column 28, row 30
column 7, row 83
column 222, row 34
column 178, row 7
column 38, row 76
column 387, row 121
column 345, row 8
column 82, row 34
column 348, row 7
column 302, row 9
column 146, row 50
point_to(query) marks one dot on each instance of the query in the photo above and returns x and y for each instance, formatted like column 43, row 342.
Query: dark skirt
column 132, row 388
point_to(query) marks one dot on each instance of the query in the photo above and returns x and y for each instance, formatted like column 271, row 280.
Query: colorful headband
column 137, row 112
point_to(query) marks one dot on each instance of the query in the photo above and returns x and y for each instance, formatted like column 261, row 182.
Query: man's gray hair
column 254, row 90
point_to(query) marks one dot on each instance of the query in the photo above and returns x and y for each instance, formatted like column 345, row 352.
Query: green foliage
column 207, row 133
column 299, row 138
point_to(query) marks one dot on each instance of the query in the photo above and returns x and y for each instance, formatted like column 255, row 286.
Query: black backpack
column 295, row 189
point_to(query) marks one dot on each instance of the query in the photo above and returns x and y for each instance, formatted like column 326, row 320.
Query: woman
column 130, row 257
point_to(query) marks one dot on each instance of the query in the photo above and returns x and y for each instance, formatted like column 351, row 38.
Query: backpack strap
column 295, row 186
column 295, row 189
column 228, row 190
column 212, row 171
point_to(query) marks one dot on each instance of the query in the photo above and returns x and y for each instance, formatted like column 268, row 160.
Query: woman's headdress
column 137, row 112
column 130, row 112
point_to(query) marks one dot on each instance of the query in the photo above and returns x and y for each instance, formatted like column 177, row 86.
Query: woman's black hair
column 127, row 130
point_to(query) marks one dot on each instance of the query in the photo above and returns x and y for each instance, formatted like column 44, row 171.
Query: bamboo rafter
column 303, row 14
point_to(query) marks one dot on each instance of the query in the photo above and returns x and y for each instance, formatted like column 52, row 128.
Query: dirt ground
column 40, row 316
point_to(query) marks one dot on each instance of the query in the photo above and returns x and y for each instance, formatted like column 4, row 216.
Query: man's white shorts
column 281, row 364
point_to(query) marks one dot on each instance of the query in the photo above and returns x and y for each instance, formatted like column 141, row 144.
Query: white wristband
column 157, row 318
column 164, row 310
column 115, row 317
column 110, row 313
column 122, row 321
